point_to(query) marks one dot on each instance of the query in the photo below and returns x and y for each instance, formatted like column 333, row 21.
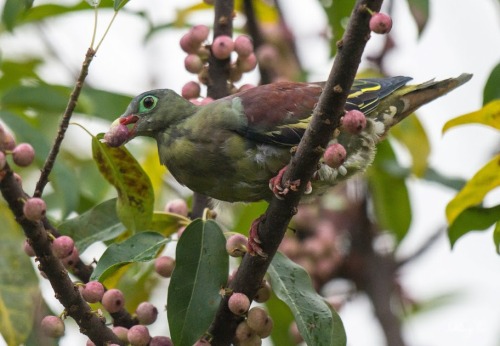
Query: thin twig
column 63, row 126
column 326, row 118
column 431, row 240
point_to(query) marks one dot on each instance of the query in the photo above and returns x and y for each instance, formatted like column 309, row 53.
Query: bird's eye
column 148, row 103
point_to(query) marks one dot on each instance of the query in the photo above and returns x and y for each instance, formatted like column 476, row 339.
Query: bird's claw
column 281, row 190
column 254, row 242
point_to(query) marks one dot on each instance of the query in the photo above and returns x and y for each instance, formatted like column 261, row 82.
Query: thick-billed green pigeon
column 231, row 148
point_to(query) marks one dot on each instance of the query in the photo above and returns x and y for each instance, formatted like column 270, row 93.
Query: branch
column 326, row 118
column 423, row 248
column 218, row 75
column 63, row 126
column 65, row 291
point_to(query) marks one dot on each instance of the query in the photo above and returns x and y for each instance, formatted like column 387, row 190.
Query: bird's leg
column 254, row 242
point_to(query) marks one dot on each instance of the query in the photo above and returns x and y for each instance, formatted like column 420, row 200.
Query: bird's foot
column 280, row 190
column 254, row 242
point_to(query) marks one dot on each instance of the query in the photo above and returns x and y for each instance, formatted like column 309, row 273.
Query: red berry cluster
column 221, row 48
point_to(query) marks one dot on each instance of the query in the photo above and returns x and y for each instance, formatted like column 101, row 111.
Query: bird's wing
column 279, row 113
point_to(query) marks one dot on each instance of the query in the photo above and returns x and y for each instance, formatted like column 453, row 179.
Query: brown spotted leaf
column 135, row 192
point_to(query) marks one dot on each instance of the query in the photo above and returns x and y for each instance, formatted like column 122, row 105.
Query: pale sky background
column 461, row 36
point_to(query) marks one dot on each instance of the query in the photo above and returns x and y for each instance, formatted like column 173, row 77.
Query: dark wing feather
column 279, row 113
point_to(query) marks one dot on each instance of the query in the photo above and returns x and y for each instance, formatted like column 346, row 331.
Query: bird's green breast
column 206, row 154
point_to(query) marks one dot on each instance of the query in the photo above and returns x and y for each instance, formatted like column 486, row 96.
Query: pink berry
column 193, row 63
column 138, row 335
column 177, row 206
column 164, row 266
column 380, row 23
column 191, row 90
column 161, row 341
column 28, row 249
column 243, row 45
column 34, row 209
column 238, row 303
column 236, row 245
column 335, row 155
column 259, row 321
column 52, row 326
column 199, row 33
column 23, row 154
column 247, row 63
column 222, row 47
column 146, row 313
column 93, row 291
column 63, row 246
column 113, row 300
column 71, row 260
column 354, row 121
column 189, row 45
column 121, row 333
column 116, row 135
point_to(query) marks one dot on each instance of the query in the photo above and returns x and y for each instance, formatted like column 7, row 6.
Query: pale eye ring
column 148, row 102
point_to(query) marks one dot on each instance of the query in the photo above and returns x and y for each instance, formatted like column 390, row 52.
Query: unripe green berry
column 113, row 300
column 146, row 313
column 259, row 321
column 92, row 292
column 238, row 303
column 335, row 155
column 23, row 154
column 164, row 266
column 138, row 335
column 52, row 326
column 34, row 209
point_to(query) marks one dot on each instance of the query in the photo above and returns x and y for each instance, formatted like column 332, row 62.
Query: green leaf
column 102, row 103
column 282, row 318
column 135, row 192
column 485, row 180
column 473, row 219
column 317, row 323
column 389, row 192
column 412, row 135
column 18, row 283
column 100, row 223
column 488, row 115
column 201, row 269
column 492, row 88
column 118, row 4
column 12, row 10
column 338, row 13
column 141, row 247
column 420, row 11
column 453, row 183
column 42, row 98
column 245, row 214
column 496, row 237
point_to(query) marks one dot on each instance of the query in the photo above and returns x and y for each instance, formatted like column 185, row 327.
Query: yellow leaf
column 485, row 180
column 488, row 115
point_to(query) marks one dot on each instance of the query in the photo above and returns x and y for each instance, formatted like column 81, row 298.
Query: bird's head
column 154, row 111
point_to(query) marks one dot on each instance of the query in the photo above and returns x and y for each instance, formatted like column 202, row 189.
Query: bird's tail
column 414, row 96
